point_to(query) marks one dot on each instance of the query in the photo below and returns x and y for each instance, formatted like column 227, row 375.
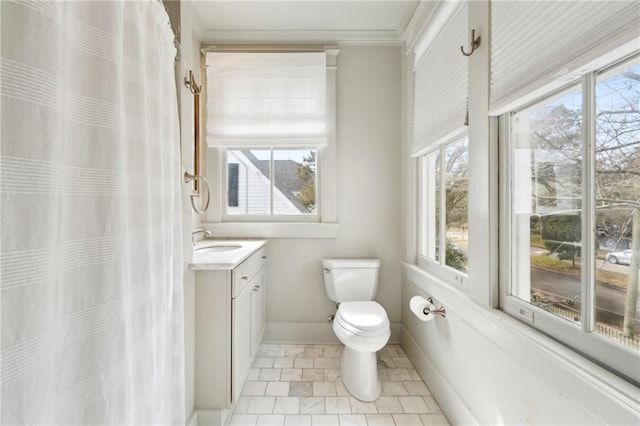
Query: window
column 573, row 184
column 444, row 184
column 271, row 130
column 271, row 182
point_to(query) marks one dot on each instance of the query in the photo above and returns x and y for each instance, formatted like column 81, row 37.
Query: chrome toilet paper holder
column 438, row 311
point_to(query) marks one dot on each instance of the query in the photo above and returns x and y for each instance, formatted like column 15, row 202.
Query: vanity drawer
column 244, row 272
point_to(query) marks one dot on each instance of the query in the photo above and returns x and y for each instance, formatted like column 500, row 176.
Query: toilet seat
column 363, row 318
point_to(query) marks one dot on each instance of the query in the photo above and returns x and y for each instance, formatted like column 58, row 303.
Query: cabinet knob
column 264, row 257
column 255, row 288
column 244, row 277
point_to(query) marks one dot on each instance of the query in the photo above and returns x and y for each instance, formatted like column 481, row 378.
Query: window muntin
column 443, row 214
column 271, row 182
column 572, row 181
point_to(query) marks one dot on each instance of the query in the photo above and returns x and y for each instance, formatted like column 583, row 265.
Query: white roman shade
column 441, row 85
column 538, row 46
column 266, row 99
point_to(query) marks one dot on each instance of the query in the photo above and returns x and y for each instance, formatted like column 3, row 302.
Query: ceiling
column 293, row 20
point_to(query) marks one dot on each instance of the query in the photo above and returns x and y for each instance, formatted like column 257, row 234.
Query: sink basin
column 217, row 248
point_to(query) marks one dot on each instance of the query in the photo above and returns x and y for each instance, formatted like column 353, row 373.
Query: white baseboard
column 454, row 408
column 211, row 417
column 311, row 332
column 193, row 419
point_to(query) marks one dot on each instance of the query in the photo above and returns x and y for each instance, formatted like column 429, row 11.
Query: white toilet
column 360, row 323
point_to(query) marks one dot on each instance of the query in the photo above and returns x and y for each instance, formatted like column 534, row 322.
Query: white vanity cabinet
column 229, row 324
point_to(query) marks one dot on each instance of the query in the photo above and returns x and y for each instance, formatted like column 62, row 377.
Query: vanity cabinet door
column 257, row 311
column 241, row 340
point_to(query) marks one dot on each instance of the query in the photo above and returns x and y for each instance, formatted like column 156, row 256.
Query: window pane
column 248, row 182
column 437, row 200
column 617, row 181
column 546, row 170
column 294, row 190
column 429, row 205
column 456, row 164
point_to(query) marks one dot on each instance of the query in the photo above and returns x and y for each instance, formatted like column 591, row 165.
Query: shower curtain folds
column 91, row 247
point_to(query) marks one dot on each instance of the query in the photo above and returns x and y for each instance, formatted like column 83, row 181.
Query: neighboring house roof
column 286, row 178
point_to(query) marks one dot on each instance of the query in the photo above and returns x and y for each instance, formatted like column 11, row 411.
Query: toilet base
column 360, row 374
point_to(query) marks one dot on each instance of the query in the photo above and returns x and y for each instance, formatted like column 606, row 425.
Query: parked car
column 623, row 257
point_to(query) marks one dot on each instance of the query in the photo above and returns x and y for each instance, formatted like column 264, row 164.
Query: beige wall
column 368, row 182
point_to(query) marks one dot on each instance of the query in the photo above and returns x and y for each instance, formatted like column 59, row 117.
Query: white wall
column 182, row 14
column 368, row 182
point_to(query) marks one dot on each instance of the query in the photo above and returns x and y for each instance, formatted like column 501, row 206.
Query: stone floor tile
column 283, row 363
column 337, row 405
column 388, row 405
column 416, row 387
column 325, row 420
column 353, row 420
column 332, row 374
column 407, row 419
column 295, row 352
column 298, row 420
column 413, row 405
column 303, row 362
column 361, row 407
column 302, row 385
column 332, row 351
column 313, row 352
column 263, row 362
column 432, row 405
column 270, row 420
column 399, row 374
column 260, row 405
column 300, row 388
column 434, row 420
column 287, row 405
column 254, row 388
column 291, row 374
column 313, row 374
column 243, row 420
column 312, row 405
column 277, row 389
column 269, row 374
column 324, row 389
column 253, row 374
column 380, row 420
column 324, row 363
column 394, row 388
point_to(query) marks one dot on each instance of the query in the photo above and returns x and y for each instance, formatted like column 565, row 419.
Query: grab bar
column 193, row 87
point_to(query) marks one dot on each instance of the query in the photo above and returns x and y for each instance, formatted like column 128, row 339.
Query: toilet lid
column 365, row 316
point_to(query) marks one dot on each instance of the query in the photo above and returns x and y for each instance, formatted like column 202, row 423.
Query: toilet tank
column 347, row 280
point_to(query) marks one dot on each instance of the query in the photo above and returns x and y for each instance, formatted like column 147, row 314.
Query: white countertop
column 223, row 260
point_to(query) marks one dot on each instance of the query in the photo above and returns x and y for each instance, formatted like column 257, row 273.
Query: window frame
column 454, row 277
column 326, row 225
column 579, row 336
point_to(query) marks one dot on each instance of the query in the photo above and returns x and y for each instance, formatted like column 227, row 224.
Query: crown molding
column 374, row 38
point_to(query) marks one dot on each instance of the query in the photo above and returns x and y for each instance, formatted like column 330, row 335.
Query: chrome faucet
column 198, row 231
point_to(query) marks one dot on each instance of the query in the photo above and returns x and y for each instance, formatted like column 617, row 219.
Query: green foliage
column 307, row 175
column 561, row 235
column 455, row 257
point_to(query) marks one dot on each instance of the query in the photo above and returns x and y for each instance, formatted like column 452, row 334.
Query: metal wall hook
column 191, row 84
column 475, row 43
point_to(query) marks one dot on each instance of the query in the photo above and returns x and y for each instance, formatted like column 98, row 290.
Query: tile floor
column 301, row 385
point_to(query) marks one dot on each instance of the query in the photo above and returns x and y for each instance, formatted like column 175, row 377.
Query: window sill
column 272, row 230
column 536, row 352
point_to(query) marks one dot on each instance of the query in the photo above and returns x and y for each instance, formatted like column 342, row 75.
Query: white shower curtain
column 90, row 257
